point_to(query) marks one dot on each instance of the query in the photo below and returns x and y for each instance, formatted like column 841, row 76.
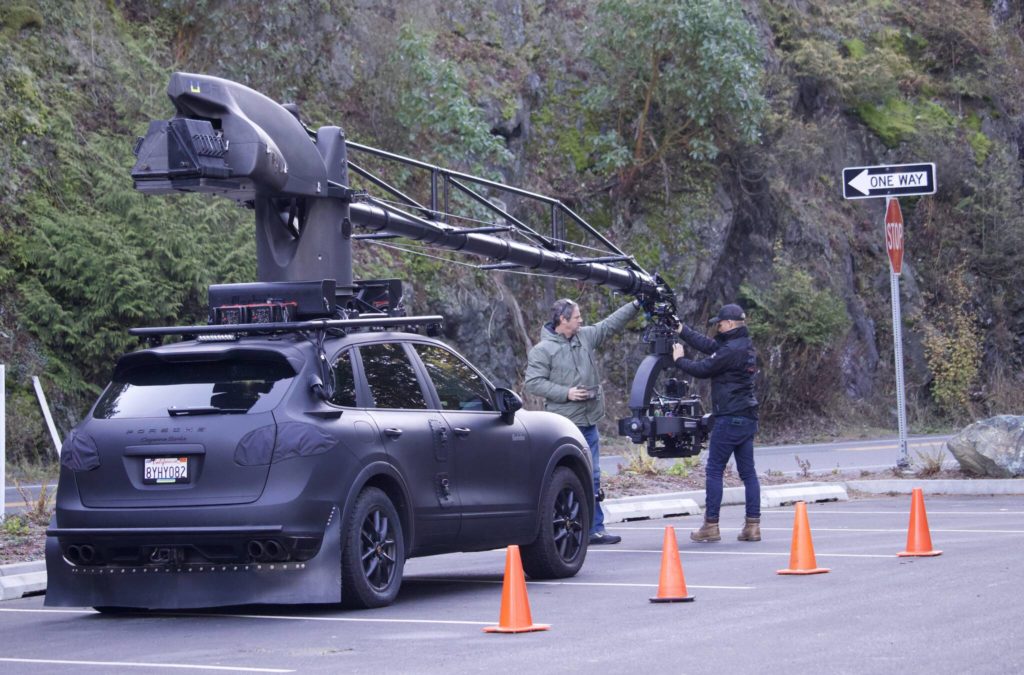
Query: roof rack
column 380, row 321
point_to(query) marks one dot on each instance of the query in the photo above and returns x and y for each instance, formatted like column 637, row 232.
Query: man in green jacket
column 562, row 369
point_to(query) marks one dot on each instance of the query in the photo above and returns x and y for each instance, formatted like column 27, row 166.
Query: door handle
column 461, row 431
column 392, row 432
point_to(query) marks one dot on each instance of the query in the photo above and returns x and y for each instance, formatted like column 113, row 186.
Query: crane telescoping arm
column 229, row 140
column 379, row 217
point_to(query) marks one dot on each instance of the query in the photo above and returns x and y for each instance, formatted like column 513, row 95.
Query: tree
column 675, row 79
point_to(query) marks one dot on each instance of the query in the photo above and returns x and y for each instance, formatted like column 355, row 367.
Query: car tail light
column 79, row 452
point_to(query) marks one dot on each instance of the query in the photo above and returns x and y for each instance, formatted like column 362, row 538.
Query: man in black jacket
column 731, row 367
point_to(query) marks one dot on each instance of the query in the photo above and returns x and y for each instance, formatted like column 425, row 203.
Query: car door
column 494, row 470
column 417, row 440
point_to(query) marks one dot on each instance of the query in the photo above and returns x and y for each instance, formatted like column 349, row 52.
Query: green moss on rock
column 17, row 18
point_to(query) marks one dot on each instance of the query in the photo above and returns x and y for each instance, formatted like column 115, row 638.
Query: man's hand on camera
column 677, row 351
column 679, row 328
column 578, row 394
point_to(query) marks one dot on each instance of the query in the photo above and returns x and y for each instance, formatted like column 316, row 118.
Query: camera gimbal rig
column 229, row 140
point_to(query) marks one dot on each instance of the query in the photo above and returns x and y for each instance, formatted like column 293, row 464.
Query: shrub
column 953, row 349
column 16, row 526
column 795, row 324
column 676, row 80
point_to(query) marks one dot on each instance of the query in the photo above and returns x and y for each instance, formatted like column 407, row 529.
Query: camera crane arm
column 229, row 140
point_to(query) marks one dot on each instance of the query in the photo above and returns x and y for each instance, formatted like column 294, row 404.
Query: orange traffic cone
column 801, row 554
column 515, row 606
column 672, row 585
column 919, row 539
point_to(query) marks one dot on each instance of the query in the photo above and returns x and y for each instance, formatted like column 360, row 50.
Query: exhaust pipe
column 87, row 554
column 256, row 550
column 274, row 550
column 74, row 554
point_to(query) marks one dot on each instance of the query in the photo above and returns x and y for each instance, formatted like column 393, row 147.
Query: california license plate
column 164, row 470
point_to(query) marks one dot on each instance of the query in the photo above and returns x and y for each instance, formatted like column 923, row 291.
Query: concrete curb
column 649, row 506
column 783, row 495
column 991, row 486
column 21, row 579
column 691, row 503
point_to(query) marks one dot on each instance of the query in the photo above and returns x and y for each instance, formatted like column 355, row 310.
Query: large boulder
column 993, row 448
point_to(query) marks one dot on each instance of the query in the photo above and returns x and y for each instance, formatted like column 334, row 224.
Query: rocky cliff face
column 780, row 201
column 508, row 88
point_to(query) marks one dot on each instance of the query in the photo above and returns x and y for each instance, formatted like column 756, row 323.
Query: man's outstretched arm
column 698, row 341
column 613, row 323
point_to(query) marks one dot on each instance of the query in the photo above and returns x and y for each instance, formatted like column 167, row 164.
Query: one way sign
column 897, row 180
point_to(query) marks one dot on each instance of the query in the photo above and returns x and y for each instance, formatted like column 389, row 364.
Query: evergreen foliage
column 796, row 325
column 432, row 105
column 794, row 310
column 953, row 351
column 702, row 115
column 84, row 256
column 674, row 81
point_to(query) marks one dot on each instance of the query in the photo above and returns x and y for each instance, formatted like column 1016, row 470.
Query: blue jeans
column 732, row 436
column 594, row 441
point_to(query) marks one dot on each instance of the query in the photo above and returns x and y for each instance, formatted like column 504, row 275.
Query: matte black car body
column 286, row 496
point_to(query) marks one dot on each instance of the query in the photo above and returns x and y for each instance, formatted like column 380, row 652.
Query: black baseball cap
column 729, row 313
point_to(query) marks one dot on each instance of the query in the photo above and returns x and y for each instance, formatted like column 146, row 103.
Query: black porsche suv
column 221, row 471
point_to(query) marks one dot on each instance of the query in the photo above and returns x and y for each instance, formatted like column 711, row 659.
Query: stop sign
column 894, row 234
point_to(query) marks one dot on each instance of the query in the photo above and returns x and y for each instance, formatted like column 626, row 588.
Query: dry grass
column 639, row 463
column 929, row 460
column 38, row 509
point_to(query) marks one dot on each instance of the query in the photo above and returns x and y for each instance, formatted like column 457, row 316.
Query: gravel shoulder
column 24, row 545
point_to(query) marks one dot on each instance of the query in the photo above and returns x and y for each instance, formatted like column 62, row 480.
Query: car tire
column 373, row 552
column 561, row 546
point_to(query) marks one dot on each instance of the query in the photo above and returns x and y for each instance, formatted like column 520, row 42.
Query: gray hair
column 561, row 311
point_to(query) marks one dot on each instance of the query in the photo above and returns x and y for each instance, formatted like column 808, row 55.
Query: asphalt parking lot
column 873, row 613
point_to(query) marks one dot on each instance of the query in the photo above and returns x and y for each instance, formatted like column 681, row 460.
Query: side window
column 344, row 381
column 458, row 386
column 391, row 377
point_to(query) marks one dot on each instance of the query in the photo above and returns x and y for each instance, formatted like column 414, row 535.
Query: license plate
column 164, row 470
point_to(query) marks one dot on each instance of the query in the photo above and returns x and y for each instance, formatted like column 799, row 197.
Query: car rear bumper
column 181, row 584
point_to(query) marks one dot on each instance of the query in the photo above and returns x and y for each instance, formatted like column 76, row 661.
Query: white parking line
column 270, row 617
column 49, row 611
column 595, row 583
column 905, row 512
column 842, row 529
column 130, row 664
column 570, row 583
column 902, row 529
column 690, row 551
column 352, row 620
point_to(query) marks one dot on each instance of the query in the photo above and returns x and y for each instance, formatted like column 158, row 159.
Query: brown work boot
column 707, row 533
column 751, row 530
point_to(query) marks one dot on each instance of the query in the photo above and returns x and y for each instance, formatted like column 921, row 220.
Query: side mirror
column 508, row 402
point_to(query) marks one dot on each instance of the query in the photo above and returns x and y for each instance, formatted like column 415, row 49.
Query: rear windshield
column 195, row 388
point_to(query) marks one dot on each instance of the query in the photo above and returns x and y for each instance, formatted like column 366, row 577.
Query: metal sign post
column 54, row 436
column 894, row 246
column 892, row 182
column 3, row 442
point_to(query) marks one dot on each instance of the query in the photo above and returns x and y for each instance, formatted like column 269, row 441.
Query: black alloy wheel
column 561, row 545
column 568, row 524
column 374, row 552
column 378, row 556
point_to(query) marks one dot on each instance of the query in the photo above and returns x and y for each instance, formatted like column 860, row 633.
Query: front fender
column 574, row 454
